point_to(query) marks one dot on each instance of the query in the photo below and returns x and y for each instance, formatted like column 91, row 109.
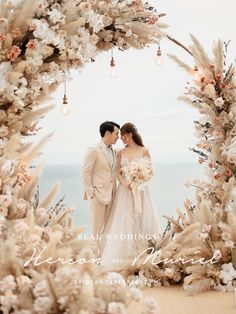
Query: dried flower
column 13, row 53
column 31, row 44
column 228, row 273
column 2, row 37
column 219, row 102
column 4, row 131
column 5, row 200
column 16, row 33
column 116, row 308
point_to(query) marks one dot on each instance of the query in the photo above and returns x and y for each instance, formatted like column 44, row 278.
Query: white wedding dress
column 126, row 228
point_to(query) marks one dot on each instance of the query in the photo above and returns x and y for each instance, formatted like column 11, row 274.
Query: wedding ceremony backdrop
column 39, row 42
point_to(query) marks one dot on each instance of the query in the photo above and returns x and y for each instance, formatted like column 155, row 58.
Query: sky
column 142, row 92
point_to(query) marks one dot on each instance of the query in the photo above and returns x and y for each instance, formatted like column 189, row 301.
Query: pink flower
column 211, row 165
column 2, row 37
column 5, row 200
column 13, row 53
column 151, row 21
column 228, row 172
column 16, row 33
column 217, row 176
column 201, row 160
column 31, row 44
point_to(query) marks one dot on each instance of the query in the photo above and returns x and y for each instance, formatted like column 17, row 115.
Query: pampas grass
column 47, row 200
column 36, row 150
column 180, row 63
column 199, row 53
column 22, row 14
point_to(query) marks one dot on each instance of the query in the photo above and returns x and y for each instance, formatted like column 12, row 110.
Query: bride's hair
column 131, row 128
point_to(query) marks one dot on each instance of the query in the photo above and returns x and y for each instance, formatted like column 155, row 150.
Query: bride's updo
column 131, row 128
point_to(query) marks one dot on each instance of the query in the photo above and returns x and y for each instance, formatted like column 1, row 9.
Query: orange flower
column 31, row 44
column 16, row 33
column 13, row 53
column 2, row 37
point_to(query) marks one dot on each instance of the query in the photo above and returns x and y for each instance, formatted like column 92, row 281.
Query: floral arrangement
column 140, row 172
column 39, row 42
column 207, row 228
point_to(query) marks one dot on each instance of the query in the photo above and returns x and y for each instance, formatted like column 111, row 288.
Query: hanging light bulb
column 112, row 65
column 195, row 73
column 159, row 60
column 65, row 110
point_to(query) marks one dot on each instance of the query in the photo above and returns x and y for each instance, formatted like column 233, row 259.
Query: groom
column 99, row 176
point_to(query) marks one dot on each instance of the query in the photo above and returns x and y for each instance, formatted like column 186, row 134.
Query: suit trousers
column 99, row 214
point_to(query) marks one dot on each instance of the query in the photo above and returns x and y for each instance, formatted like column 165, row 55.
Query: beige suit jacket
column 99, row 174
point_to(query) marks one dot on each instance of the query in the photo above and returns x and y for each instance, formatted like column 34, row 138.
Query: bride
column 133, row 218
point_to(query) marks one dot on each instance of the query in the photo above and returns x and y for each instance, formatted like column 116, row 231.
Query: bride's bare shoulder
column 146, row 152
column 119, row 151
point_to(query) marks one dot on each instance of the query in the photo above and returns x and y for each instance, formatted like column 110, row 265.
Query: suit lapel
column 105, row 153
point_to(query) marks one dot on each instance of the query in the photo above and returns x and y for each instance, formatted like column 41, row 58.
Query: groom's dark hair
column 107, row 126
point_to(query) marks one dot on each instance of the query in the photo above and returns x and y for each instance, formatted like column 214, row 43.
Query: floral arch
column 39, row 41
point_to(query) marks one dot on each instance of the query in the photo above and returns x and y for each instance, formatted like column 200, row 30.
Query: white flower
column 116, row 278
column 231, row 153
column 4, row 131
column 206, row 228
column 229, row 244
column 55, row 16
column 169, row 272
column 5, row 200
column 21, row 204
column 5, row 68
column 116, row 308
column 95, row 20
column 219, row 102
column 151, row 305
column 8, row 300
column 21, row 92
column 99, row 305
column 228, row 273
column 43, row 304
column 136, row 294
column 233, row 131
column 226, row 236
column 7, row 283
column 21, row 226
column 210, row 91
column 41, row 289
column 23, row 281
column 218, row 134
column 41, row 28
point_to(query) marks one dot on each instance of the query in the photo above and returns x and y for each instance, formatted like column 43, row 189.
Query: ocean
column 167, row 188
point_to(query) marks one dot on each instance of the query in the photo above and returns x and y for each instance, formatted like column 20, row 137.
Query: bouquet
column 140, row 172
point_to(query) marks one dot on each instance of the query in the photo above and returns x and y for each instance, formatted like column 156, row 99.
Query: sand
column 174, row 300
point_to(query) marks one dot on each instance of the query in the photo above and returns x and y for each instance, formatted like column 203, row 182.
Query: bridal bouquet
column 140, row 173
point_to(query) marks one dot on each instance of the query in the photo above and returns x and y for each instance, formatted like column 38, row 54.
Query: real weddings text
column 38, row 259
